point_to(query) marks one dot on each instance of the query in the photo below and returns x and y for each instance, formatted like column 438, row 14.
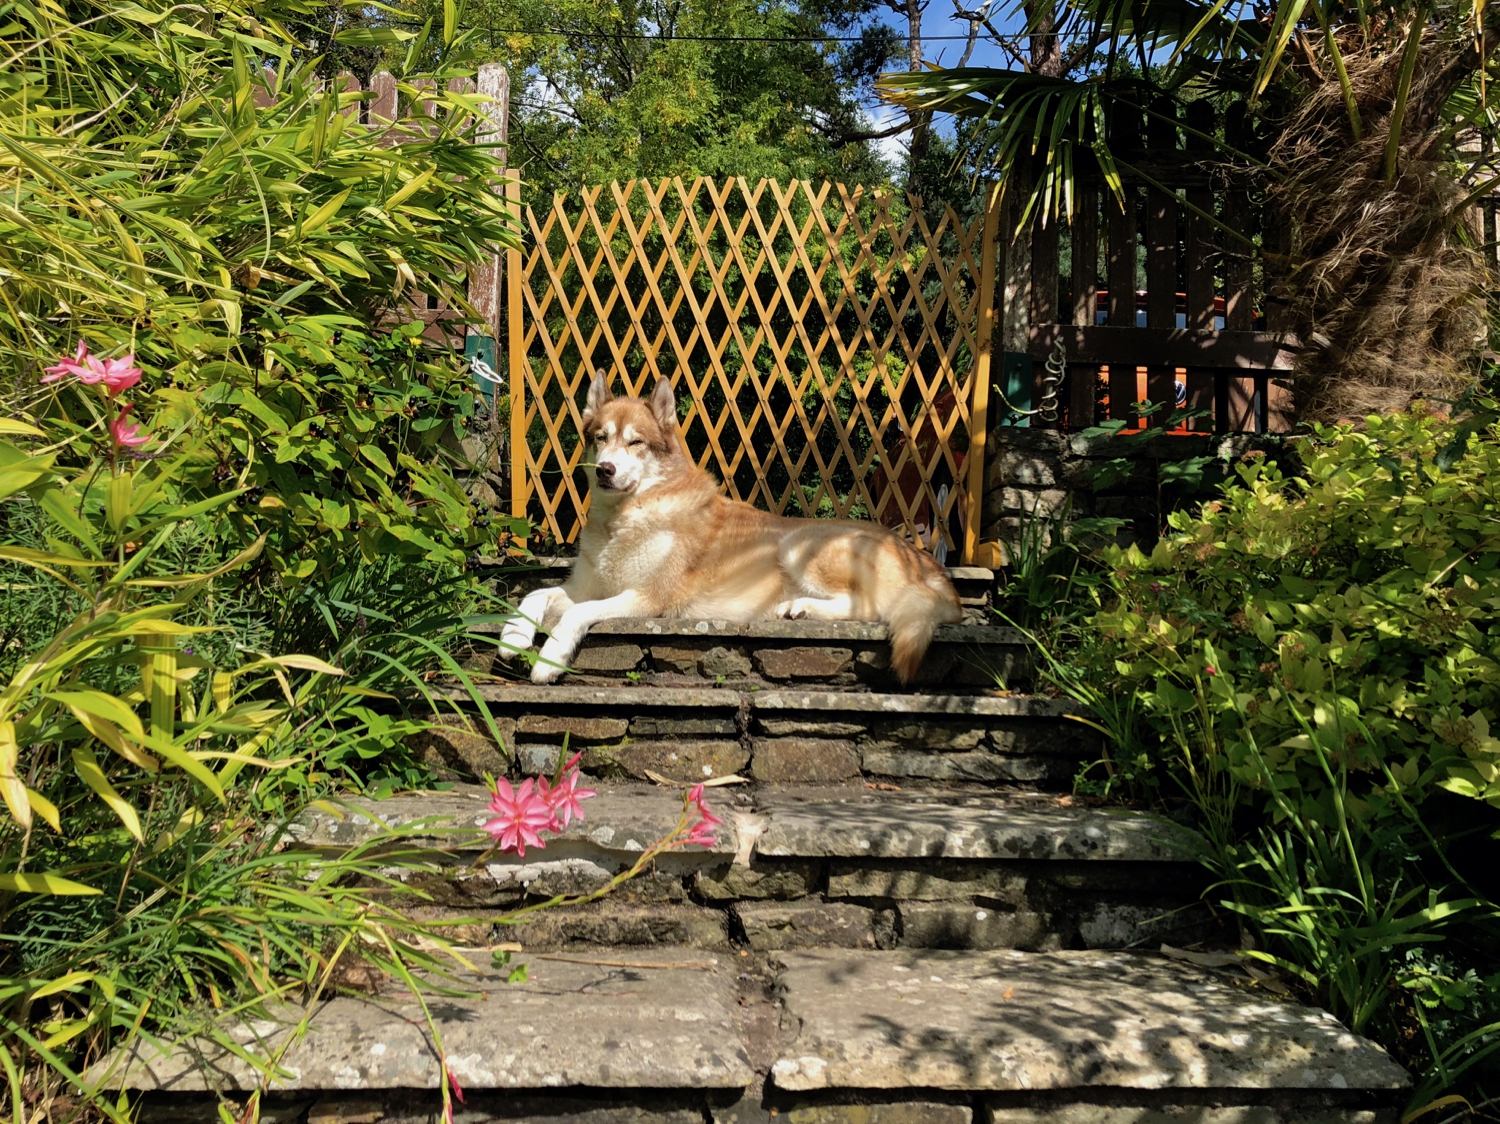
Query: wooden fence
column 828, row 345
column 1167, row 298
column 834, row 349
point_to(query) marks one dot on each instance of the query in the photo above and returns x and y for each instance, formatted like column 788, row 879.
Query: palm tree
column 1366, row 125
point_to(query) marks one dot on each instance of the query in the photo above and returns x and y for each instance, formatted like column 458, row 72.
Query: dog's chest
column 636, row 552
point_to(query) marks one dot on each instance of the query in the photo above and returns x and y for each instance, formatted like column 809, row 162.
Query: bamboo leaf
column 12, row 788
column 53, row 884
column 87, row 766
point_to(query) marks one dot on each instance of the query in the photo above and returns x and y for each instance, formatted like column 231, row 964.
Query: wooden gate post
column 486, row 277
column 979, row 408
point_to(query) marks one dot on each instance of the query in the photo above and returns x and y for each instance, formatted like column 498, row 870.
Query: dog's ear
column 599, row 395
column 664, row 406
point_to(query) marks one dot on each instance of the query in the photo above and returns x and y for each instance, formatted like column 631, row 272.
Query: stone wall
column 1045, row 473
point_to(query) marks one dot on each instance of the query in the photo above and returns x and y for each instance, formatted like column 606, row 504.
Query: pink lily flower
column 565, row 799
column 702, row 832
column 521, row 814
column 65, row 367
column 120, row 374
column 125, row 435
column 115, row 374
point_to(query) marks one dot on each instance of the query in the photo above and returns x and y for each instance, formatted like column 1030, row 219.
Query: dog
column 662, row 540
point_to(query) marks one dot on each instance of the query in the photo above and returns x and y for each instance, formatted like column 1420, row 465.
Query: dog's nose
column 605, row 470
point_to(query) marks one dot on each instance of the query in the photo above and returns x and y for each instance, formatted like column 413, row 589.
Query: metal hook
column 1057, row 369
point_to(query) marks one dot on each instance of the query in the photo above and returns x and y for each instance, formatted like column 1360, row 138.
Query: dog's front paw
column 551, row 663
column 791, row 610
column 515, row 638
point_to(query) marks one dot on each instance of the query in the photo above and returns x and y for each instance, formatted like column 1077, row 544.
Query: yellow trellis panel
column 829, row 346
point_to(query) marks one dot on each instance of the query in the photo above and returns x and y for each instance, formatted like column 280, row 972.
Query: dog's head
column 635, row 439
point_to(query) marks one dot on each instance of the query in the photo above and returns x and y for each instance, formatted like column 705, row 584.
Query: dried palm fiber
column 1384, row 285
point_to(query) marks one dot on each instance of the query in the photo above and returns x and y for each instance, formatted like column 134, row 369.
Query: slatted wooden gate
column 1168, row 298
column 829, row 346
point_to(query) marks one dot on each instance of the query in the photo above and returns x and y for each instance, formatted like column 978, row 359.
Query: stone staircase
column 905, row 918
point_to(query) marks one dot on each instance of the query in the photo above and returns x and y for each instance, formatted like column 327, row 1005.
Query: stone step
column 807, row 735
column 515, row 578
column 832, row 1037
column 776, row 653
column 804, row 868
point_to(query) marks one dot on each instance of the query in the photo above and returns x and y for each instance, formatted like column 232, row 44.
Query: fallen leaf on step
column 878, row 787
column 1203, row 959
column 712, row 782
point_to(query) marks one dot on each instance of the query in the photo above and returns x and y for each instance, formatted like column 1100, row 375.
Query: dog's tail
column 913, row 616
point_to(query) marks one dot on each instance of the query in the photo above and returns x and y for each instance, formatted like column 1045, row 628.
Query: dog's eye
column 636, row 443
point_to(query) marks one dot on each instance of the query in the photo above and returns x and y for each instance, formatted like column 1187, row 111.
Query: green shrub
column 256, row 261
column 1360, row 598
column 1313, row 662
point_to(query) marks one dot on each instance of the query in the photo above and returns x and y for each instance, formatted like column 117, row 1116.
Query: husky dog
column 663, row 541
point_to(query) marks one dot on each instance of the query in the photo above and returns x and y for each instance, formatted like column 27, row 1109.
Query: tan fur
column 662, row 540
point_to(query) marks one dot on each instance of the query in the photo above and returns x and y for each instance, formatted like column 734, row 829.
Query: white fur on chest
column 635, row 554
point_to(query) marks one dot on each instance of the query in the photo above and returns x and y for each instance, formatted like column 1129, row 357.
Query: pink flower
column 66, row 367
column 702, row 832
column 565, row 799
column 120, row 374
column 521, row 815
column 115, row 374
column 1210, row 671
column 126, row 435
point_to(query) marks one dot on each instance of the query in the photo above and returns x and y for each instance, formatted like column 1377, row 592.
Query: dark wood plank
column 1161, row 389
column 1161, row 225
column 1200, row 396
column 1122, row 251
column 1044, row 273
column 1239, row 296
column 1083, row 395
column 1123, row 391
column 1176, row 347
column 1085, row 264
column 1200, row 251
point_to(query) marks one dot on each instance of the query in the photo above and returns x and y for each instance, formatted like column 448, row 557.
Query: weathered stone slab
column 1191, row 1114
column 463, row 747
column 725, row 663
column 978, row 927
column 781, row 882
column 748, row 1111
column 913, row 825
column 579, row 730
column 677, row 760
column 803, row 662
column 813, row 924
column 699, row 726
column 940, row 881
column 803, row 760
column 1002, row 1021
column 809, row 728
column 670, row 1026
column 561, row 697
column 621, row 818
column 981, row 766
column 863, row 702
column 608, row 924
column 608, row 657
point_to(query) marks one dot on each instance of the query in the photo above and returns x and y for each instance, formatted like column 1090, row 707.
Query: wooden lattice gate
column 829, row 346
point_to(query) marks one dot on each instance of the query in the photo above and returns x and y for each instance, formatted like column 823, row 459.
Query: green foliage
column 248, row 257
column 625, row 91
column 1360, row 599
column 1314, row 663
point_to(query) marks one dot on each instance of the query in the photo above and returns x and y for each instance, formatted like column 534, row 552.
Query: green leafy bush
column 256, row 261
column 1313, row 662
column 1360, row 599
